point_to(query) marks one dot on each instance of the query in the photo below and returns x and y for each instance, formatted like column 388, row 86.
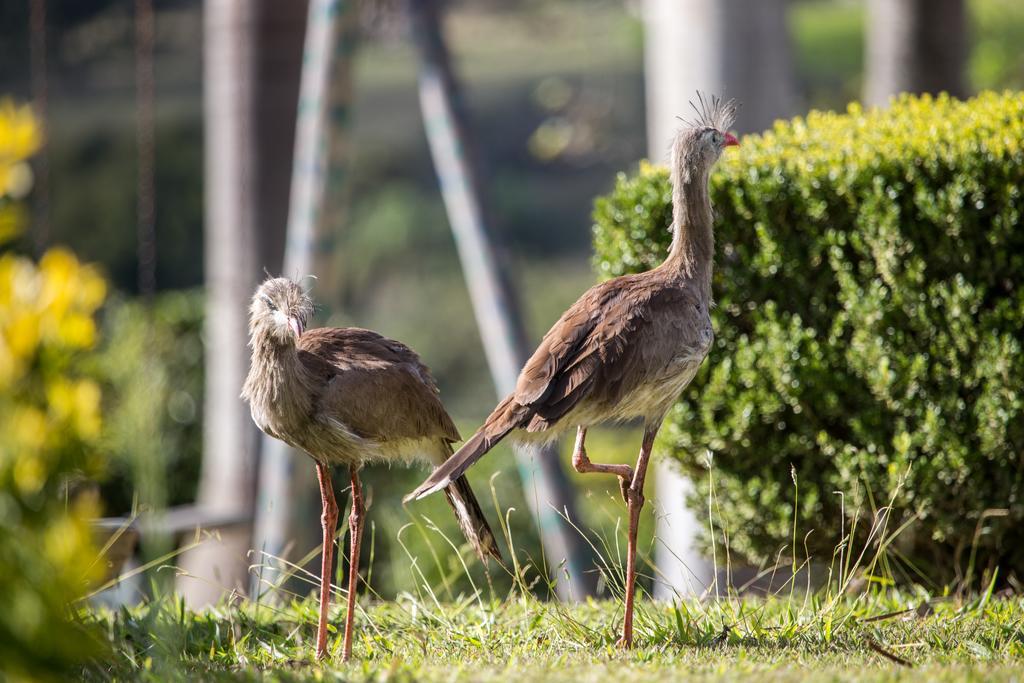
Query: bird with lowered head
column 348, row 396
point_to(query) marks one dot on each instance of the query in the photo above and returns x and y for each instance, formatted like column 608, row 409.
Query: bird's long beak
column 731, row 141
column 296, row 326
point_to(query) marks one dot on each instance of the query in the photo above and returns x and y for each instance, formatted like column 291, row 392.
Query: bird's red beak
column 296, row 326
column 731, row 141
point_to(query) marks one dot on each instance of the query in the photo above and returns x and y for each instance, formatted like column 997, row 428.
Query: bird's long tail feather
column 454, row 467
column 471, row 519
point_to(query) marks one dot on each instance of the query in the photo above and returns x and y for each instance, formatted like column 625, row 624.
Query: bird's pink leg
column 355, row 530
column 329, row 521
column 581, row 463
column 635, row 501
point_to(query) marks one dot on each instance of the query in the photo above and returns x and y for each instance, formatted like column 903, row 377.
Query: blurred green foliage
column 50, row 421
column 828, row 50
column 868, row 323
column 828, row 41
column 997, row 60
column 151, row 364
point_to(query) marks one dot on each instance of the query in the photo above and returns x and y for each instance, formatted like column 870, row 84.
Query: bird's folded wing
column 591, row 351
column 595, row 348
column 375, row 386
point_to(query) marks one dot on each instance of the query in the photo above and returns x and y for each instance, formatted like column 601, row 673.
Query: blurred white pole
column 735, row 48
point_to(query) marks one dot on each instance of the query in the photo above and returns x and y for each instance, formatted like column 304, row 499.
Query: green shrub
column 870, row 308
column 151, row 365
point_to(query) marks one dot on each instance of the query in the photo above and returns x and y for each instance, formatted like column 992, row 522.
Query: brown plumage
column 348, row 396
column 628, row 347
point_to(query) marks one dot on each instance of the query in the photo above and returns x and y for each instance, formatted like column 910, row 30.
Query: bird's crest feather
column 711, row 111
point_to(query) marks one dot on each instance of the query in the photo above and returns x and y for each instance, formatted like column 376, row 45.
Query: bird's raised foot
column 581, row 463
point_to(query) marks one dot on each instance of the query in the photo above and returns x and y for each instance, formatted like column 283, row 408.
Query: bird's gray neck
column 691, row 255
column 277, row 384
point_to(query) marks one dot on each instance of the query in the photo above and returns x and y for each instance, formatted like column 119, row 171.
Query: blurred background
column 167, row 134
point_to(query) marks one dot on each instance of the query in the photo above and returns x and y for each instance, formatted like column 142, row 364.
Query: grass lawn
column 788, row 638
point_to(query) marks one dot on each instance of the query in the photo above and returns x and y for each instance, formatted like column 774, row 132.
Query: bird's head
column 279, row 311
column 701, row 140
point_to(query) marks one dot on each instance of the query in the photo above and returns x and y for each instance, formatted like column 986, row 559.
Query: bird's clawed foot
column 633, row 496
column 624, row 643
column 581, row 463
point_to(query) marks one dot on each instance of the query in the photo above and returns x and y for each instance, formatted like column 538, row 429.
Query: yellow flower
column 92, row 289
column 9, row 366
column 18, row 182
column 21, row 333
column 29, row 474
column 87, row 408
column 77, row 331
column 28, row 429
column 11, row 218
column 60, row 397
column 19, row 139
column 59, row 269
column 68, row 540
column 19, row 135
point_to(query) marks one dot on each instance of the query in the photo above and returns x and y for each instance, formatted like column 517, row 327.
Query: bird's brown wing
column 377, row 387
column 594, row 351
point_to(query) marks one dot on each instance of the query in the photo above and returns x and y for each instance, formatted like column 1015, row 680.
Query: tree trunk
column 735, row 48
column 229, row 443
column 545, row 486
column 252, row 53
column 279, row 62
column 916, row 46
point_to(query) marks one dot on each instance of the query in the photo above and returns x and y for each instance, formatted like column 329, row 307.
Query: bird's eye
column 269, row 302
column 717, row 137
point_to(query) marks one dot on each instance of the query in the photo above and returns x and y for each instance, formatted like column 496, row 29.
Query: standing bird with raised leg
column 348, row 396
column 628, row 347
